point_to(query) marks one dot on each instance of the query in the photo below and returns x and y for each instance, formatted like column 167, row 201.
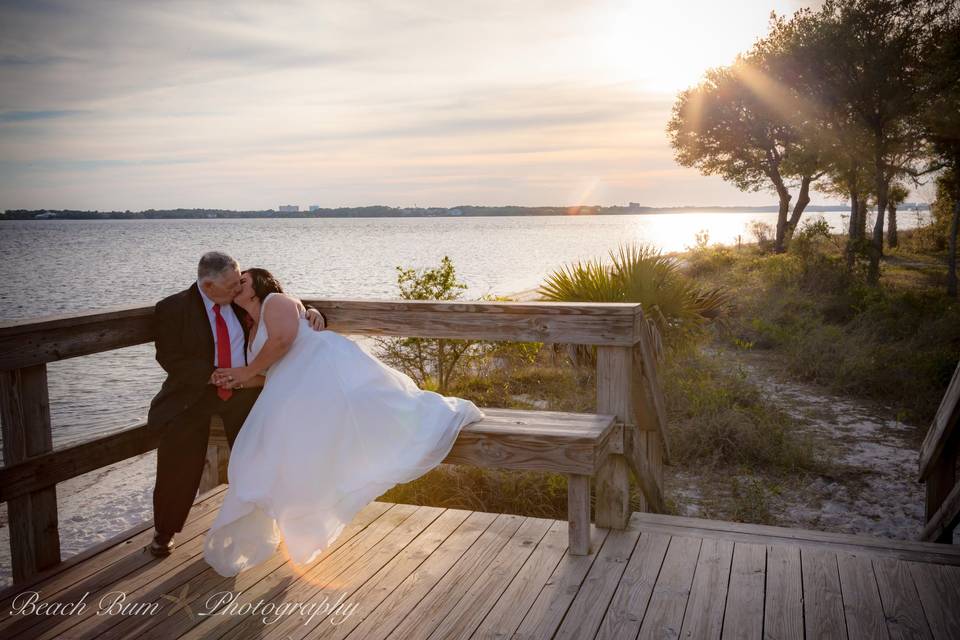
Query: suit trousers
column 182, row 452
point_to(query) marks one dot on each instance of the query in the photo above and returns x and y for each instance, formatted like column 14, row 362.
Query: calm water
column 55, row 267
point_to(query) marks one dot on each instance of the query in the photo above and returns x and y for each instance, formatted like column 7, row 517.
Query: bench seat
column 574, row 444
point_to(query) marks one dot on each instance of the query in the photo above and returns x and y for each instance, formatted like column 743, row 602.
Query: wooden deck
column 402, row 571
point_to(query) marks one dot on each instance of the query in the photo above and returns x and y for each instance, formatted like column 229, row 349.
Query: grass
column 719, row 419
column 897, row 343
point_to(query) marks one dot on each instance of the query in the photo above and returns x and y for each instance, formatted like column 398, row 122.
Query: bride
column 332, row 429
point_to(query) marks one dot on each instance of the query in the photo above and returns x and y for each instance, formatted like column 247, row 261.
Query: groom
column 197, row 331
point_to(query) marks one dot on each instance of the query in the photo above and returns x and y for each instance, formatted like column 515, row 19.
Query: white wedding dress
column 333, row 429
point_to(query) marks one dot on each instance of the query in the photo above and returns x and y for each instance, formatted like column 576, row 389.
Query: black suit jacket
column 184, row 344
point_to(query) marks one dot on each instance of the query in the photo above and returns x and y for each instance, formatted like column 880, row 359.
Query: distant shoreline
column 394, row 212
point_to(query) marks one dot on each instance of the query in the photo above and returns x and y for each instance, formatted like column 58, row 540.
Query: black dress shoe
column 162, row 544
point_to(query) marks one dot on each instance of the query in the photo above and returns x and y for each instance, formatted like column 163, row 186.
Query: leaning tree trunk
column 854, row 225
column 779, row 245
column 892, row 240
column 803, row 199
column 876, row 244
column 952, row 247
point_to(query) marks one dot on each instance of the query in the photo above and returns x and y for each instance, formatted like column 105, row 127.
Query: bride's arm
column 256, row 381
column 282, row 318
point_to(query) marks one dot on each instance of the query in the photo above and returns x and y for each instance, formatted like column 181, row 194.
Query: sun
column 666, row 47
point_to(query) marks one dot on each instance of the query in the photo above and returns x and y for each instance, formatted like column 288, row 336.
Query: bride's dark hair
column 263, row 282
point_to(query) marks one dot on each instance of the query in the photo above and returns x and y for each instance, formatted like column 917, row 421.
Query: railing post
column 25, row 415
column 649, row 438
column 578, row 514
column 218, row 457
column 614, row 388
column 940, row 482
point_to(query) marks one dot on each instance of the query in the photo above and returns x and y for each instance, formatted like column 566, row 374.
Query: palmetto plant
column 674, row 306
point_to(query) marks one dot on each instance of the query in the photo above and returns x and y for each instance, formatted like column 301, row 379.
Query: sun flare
column 666, row 47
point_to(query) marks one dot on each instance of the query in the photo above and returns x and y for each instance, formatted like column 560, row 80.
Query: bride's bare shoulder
column 281, row 303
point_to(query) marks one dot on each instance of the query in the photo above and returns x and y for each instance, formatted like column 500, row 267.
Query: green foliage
column 942, row 208
column 897, row 195
column 726, row 126
column 560, row 388
column 763, row 234
column 430, row 284
column 709, row 260
column 514, row 353
column 702, row 239
column 676, row 306
column 719, row 418
column 897, row 343
column 535, row 494
column 750, row 501
column 432, row 363
column 808, row 240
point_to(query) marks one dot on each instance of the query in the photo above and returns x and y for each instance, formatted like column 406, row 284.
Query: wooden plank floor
column 401, row 571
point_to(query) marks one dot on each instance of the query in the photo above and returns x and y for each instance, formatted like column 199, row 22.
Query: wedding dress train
column 332, row 429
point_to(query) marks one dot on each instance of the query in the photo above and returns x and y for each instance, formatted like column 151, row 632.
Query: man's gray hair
column 213, row 264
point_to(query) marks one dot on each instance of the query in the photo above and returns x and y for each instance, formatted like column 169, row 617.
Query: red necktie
column 223, row 350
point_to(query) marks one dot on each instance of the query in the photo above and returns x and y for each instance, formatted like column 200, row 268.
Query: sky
column 250, row 105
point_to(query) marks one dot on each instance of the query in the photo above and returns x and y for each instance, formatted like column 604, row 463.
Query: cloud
column 27, row 116
column 132, row 105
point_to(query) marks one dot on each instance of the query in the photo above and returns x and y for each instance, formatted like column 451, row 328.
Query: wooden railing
column 938, row 467
column 627, row 387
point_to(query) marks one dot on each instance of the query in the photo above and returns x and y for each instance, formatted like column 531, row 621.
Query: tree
column 849, row 181
column 873, row 62
column 946, row 222
column 898, row 194
column 740, row 124
column 939, row 116
column 859, row 64
column 430, row 362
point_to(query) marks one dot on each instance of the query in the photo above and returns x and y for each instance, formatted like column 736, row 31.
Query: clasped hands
column 233, row 378
column 237, row 377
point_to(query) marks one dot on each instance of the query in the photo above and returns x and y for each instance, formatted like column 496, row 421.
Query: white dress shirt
column 237, row 357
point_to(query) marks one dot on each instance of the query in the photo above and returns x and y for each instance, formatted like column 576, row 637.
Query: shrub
column 719, row 418
column 432, row 363
column 762, row 232
column 702, row 261
column 672, row 303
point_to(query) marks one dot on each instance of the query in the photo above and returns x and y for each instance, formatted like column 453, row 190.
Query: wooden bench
column 626, row 434
column 574, row 444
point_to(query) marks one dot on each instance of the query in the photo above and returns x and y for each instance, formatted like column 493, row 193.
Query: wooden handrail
column 44, row 470
column 938, row 465
column 943, row 522
column 626, row 387
column 944, row 424
column 54, row 338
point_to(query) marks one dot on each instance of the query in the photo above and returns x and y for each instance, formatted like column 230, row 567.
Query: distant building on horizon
column 634, row 206
column 314, row 207
column 46, row 215
column 289, row 208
